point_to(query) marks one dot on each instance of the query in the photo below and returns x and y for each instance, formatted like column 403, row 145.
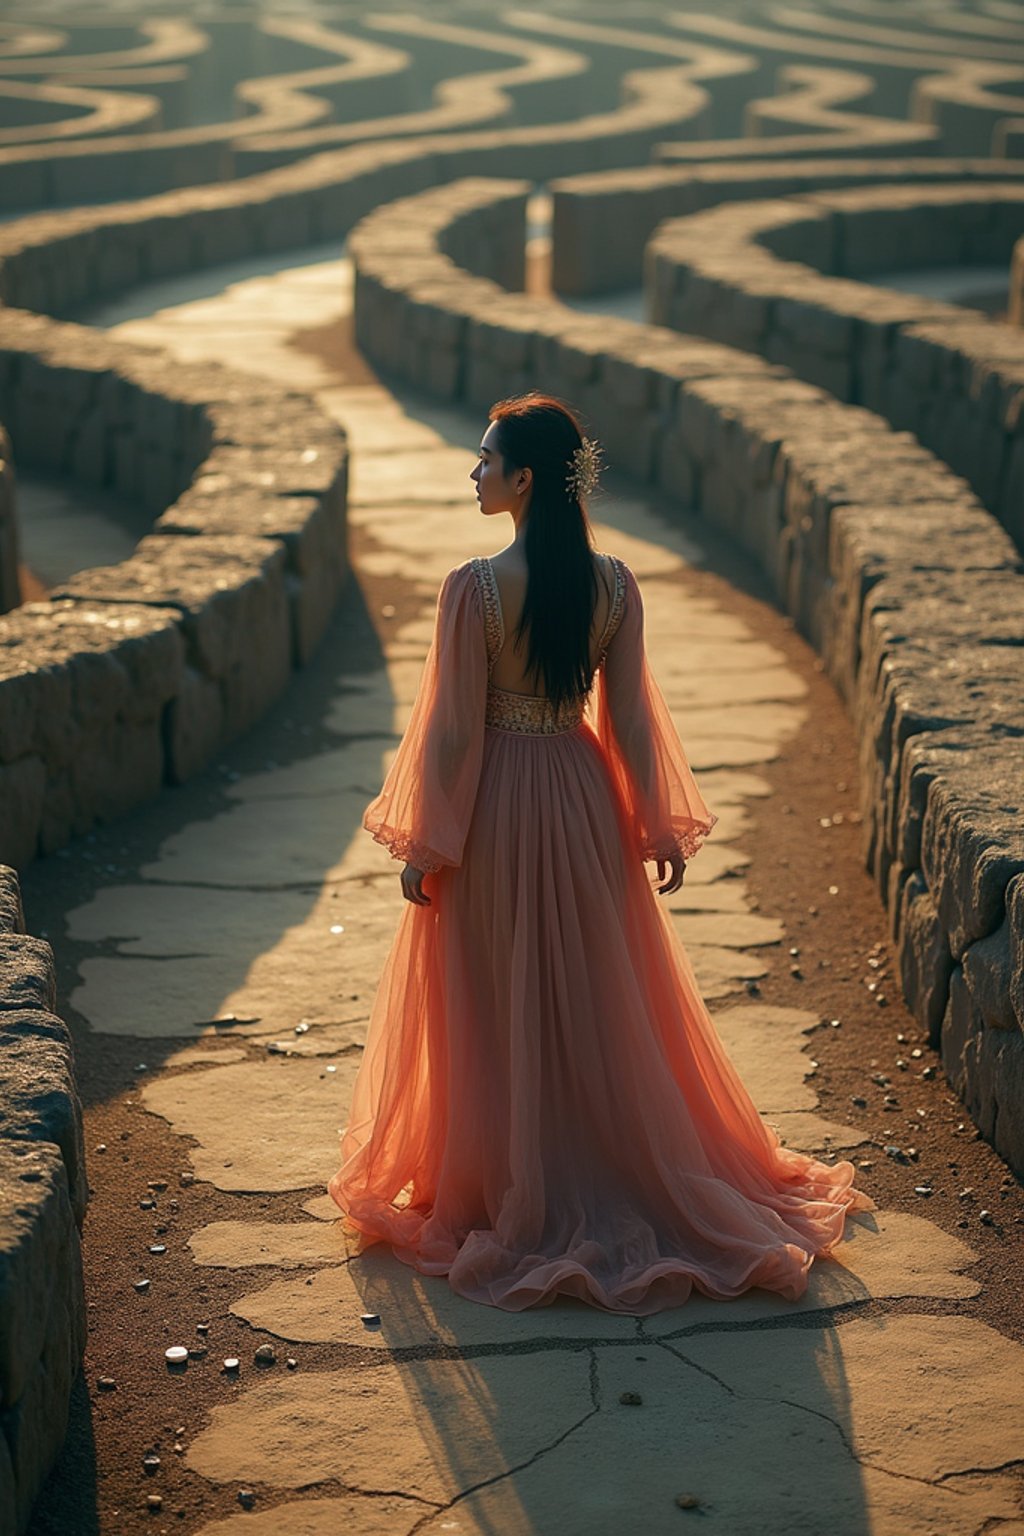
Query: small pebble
column 928, row 1074
column 859, row 1100
column 865, row 1163
column 147, row 1205
column 290, row 1363
column 232, row 1363
column 246, row 1498
column 107, row 1384
column 922, row 1189
column 266, row 1354
column 986, row 1218
column 370, row 1319
column 141, row 1285
column 176, row 1355
column 154, row 1501
column 151, row 1462
column 185, row 1179
column 101, row 1148
column 157, row 1184
column 158, row 1247
column 197, row 1352
column 202, row 1327
column 630, row 1399
column 687, row 1500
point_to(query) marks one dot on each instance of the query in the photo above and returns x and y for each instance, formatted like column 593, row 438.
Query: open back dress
column 544, row 1106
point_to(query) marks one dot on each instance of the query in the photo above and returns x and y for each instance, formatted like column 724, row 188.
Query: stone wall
column 43, row 1196
column 601, row 222
column 134, row 675
column 779, row 278
column 890, row 566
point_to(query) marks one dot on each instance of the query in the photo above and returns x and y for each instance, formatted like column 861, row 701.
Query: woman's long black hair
column 540, row 432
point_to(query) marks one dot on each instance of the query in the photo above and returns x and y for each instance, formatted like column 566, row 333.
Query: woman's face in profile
column 496, row 491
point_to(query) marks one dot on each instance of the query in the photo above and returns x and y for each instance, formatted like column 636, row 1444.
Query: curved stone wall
column 653, row 102
column 951, row 377
column 910, row 590
column 131, row 676
column 43, row 1196
column 601, row 222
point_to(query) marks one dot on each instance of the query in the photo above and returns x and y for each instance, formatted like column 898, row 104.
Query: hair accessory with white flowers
column 586, row 468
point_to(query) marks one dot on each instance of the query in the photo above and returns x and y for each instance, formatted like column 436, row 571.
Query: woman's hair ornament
column 586, row 468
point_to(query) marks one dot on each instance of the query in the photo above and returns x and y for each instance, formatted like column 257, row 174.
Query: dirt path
column 252, row 892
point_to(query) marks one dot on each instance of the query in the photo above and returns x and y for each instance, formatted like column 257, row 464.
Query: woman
column 544, row 1106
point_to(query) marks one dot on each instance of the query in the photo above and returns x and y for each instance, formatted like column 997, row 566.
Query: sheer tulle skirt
column 544, row 1106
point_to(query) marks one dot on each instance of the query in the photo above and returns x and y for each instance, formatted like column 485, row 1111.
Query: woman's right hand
column 677, row 863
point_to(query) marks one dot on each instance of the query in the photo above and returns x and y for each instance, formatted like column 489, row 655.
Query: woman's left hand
column 412, row 886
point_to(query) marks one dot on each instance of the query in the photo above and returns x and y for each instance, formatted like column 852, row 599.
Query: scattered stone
column 897, row 1154
column 902, row 1063
column 923, row 1189
column 178, row 1448
column 266, row 1354
column 246, row 1497
column 151, row 1463
column 687, row 1500
column 202, row 1327
column 158, row 1247
column 928, row 1074
column 176, row 1355
column 794, row 950
column 987, row 1218
column 290, row 1363
column 142, row 1286
column 865, row 1163
column 147, row 1205
column 232, row 1363
column 881, row 1079
column 184, row 1179
column 859, row 1100
column 630, row 1399
column 917, row 1052
column 101, row 1148
column 370, row 1319
column 157, row 1184
column 107, row 1384
column 154, row 1501
column 197, row 1352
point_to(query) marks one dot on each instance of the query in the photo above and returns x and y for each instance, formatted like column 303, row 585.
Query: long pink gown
column 544, row 1106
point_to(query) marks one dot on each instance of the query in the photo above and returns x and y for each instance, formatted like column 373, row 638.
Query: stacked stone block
column 43, row 1196
column 132, row 676
column 780, row 278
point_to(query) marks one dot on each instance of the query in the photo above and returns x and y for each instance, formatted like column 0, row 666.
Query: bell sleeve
column 423, row 810
column 646, row 757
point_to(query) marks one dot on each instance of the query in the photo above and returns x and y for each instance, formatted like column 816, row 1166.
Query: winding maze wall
column 759, row 170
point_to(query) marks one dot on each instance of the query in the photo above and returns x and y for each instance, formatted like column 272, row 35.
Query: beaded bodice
column 532, row 713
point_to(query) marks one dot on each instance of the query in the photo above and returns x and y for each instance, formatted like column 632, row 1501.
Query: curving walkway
column 218, row 953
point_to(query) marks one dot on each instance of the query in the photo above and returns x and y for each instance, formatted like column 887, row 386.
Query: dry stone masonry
column 43, row 1196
